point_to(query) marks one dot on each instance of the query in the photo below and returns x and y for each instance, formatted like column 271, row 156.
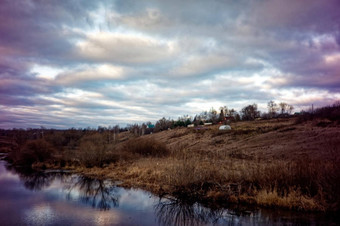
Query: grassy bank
column 275, row 163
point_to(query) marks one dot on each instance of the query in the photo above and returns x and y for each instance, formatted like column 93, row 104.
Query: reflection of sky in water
column 53, row 206
column 4, row 175
column 136, row 199
column 60, row 199
column 41, row 214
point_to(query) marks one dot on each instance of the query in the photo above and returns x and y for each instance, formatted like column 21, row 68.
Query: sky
column 91, row 63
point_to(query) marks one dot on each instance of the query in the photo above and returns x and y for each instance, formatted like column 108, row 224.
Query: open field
column 278, row 162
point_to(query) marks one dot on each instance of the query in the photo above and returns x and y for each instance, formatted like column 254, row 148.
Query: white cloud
column 102, row 62
column 120, row 48
column 332, row 59
column 201, row 64
column 46, row 72
column 88, row 74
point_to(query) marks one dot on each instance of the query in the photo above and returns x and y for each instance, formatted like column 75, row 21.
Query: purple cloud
column 103, row 62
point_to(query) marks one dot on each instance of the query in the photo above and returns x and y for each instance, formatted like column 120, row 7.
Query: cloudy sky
column 88, row 63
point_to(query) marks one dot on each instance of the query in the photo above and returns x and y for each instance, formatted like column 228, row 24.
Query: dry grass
column 146, row 147
column 292, row 200
column 274, row 163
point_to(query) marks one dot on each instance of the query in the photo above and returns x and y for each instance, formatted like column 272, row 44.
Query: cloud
column 100, row 72
column 106, row 62
column 196, row 65
column 297, row 16
column 125, row 49
column 27, row 86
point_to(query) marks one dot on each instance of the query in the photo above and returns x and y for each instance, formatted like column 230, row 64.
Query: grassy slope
column 271, row 163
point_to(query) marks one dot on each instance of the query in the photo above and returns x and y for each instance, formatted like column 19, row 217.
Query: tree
column 212, row 117
column 183, row 121
column 204, row 116
column 232, row 112
column 250, row 112
column 198, row 120
column 221, row 116
column 283, row 107
column 290, row 109
column 224, row 112
column 163, row 124
column 272, row 108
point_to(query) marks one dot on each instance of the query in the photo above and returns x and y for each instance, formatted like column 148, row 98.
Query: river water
column 61, row 198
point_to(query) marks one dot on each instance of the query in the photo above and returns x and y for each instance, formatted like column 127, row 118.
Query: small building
column 191, row 125
column 207, row 124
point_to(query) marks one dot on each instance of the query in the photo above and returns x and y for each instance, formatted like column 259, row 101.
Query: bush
column 330, row 112
column 56, row 139
column 146, row 147
column 34, row 151
column 92, row 150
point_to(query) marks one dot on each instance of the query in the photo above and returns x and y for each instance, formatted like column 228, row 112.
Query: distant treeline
column 223, row 116
column 195, row 174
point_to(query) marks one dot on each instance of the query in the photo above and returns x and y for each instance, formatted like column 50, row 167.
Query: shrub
column 34, row 151
column 92, row 150
column 330, row 112
column 146, row 147
column 56, row 139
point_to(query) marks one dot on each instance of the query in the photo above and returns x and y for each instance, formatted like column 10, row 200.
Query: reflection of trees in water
column 35, row 180
column 101, row 194
column 98, row 193
column 175, row 212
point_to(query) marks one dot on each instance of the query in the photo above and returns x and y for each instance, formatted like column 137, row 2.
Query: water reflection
column 62, row 198
column 176, row 212
column 98, row 193
column 34, row 180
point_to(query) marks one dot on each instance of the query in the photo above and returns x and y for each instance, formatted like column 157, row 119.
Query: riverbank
column 92, row 201
column 273, row 163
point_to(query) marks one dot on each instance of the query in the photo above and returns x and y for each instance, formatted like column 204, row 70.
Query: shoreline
column 218, row 200
column 208, row 199
column 271, row 164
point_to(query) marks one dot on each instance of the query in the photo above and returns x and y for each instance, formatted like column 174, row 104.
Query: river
column 62, row 198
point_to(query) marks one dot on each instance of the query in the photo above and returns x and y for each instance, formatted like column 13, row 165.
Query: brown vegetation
column 276, row 162
column 147, row 147
column 32, row 151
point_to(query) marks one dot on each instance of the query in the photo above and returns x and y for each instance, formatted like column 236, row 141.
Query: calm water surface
column 56, row 198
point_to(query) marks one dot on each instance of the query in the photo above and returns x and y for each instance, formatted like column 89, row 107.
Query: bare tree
column 222, row 115
column 163, row 124
column 272, row 108
column 290, row 109
column 213, row 116
column 283, row 107
column 250, row 112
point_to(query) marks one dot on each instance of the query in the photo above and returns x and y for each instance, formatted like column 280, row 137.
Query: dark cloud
column 297, row 16
column 89, row 63
column 38, row 30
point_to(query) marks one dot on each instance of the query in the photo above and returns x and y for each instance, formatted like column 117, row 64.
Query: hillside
column 275, row 162
column 269, row 163
column 281, row 139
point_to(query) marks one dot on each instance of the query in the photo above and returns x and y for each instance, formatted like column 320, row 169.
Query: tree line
column 222, row 116
column 225, row 115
